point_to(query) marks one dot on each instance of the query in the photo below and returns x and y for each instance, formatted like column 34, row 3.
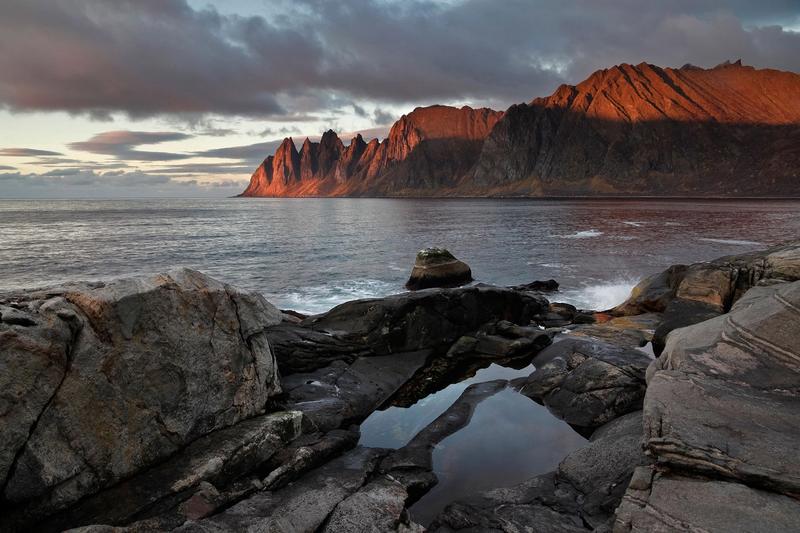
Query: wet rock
column 182, row 485
column 653, row 294
column 340, row 394
column 549, row 285
column 379, row 506
column 587, row 383
column 170, row 358
column 601, row 470
column 429, row 319
column 437, row 267
column 722, row 404
column 305, row 453
column 302, row 506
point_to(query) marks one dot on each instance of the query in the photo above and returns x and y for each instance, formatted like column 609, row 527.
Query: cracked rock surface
column 98, row 380
column 722, row 421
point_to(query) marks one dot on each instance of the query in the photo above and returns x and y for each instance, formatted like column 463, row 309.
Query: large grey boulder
column 100, row 380
column 723, row 404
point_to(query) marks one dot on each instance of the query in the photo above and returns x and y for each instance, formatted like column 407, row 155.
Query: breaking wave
column 320, row 298
column 586, row 234
column 731, row 241
column 599, row 296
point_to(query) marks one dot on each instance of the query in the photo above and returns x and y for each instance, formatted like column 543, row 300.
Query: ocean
column 311, row 254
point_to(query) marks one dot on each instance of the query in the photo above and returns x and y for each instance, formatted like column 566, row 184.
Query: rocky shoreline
column 179, row 403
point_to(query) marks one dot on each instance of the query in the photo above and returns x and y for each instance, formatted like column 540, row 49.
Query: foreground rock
column 437, row 267
column 337, row 497
column 587, row 383
column 98, row 381
column 722, row 419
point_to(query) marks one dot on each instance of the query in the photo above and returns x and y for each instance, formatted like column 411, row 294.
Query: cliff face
column 640, row 130
column 426, row 151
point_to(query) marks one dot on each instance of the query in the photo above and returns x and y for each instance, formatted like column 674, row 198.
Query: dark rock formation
column 431, row 319
column 437, row 267
column 101, row 380
column 306, row 504
column 338, row 394
column 631, row 129
column 587, row 383
column 721, row 420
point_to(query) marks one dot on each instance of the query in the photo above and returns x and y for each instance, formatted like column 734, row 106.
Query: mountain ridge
column 641, row 130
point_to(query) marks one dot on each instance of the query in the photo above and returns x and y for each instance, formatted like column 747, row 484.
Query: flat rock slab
column 302, row 506
column 723, row 399
column 341, row 393
column 663, row 504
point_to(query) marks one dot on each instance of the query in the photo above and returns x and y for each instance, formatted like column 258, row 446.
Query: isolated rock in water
column 549, row 285
column 723, row 402
column 437, row 267
column 99, row 380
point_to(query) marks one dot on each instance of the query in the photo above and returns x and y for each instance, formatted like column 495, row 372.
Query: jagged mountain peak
column 627, row 129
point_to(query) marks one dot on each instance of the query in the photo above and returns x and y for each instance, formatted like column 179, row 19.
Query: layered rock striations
column 628, row 130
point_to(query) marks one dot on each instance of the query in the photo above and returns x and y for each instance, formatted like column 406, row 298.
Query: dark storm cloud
column 249, row 152
column 26, row 152
column 204, row 169
column 149, row 57
column 122, row 145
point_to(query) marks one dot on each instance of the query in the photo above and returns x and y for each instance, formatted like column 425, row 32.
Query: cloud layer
column 150, row 57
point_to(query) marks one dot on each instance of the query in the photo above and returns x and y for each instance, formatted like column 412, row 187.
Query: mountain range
column 638, row 130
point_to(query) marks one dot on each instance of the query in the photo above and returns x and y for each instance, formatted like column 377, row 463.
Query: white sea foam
column 633, row 223
column 731, row 241
column 320, row 298
column 600, row 296
column 586, row 234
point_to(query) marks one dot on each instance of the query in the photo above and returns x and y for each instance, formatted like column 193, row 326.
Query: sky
column 184, row 98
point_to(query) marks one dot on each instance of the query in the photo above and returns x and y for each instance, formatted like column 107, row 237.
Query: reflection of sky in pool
column 395, row 426
column 510, row 439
